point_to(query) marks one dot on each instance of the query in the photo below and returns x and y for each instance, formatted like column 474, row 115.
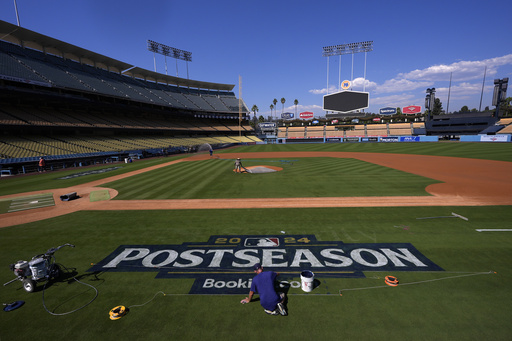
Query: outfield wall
column 357, row 139
column 486, row 138
column 420, row 138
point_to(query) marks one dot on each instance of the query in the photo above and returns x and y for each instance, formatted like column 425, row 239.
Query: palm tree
column 255, row 109
column 296, row 102
column 275, row 103
column 271, row 107
column 282, row 102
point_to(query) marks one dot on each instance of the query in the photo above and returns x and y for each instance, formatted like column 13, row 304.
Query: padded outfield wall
column 422, row 138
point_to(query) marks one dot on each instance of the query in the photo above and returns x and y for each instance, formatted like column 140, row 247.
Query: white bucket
column 306, row 278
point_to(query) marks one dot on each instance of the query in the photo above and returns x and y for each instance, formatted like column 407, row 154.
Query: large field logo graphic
column 225, row 262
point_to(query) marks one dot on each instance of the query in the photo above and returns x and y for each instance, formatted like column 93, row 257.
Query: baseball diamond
column 464, row 182
column 174, row 254
column 143, row 204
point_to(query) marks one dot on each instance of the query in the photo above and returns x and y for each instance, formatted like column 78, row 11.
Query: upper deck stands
column 32, row 66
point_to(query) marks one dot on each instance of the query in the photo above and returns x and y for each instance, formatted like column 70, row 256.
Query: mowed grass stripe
column 180, row 180
column 306, row 177
column 164, row 181
column 319, row 166
column 207, row 174
column 198, row 174
column 359, row 177
column 477, row 150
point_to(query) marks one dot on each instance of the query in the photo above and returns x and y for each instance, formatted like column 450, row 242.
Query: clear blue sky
column 276, row 46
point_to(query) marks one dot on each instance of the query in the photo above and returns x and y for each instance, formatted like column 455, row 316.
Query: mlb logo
column 261, row 242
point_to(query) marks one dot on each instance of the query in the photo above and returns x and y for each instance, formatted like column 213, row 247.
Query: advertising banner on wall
column 389, row 139
column 409, row 139
column 267, row 126
column 411, row 110
column 306, row 115
column 493, row 138
column 287, row 116
column 387, row 111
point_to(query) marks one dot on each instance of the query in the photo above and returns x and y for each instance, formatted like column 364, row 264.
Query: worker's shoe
column 282, row 309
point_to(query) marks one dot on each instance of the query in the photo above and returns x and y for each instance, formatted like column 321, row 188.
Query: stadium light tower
column 173, row 52
column 500, row 93
column 338, row 50
column 430, row 101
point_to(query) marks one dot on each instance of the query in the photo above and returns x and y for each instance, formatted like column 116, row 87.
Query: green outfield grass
column 50, row 180
column 466, row 301
column 489, row 151
column 305, row 177
column 467, row 308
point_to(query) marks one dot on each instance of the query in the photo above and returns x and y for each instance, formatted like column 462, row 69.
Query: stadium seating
column 506, row 130
column 398, row 129
column 24, row 63
column 460, row 124
column 359, row 130
column 315, row 131
column 32, row 146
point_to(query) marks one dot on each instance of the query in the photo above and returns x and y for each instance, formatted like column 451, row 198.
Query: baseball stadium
column 138, row 226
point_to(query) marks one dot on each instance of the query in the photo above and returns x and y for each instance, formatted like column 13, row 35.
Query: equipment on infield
column 42, row 267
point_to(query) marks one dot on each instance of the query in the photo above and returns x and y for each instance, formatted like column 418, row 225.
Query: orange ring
column 391, row 281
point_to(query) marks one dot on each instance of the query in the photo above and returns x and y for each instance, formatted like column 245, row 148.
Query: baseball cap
column 257, row 266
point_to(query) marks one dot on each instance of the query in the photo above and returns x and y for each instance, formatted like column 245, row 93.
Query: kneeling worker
column 263, row 284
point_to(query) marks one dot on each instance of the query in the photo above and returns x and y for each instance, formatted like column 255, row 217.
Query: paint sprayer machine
column 42, row 267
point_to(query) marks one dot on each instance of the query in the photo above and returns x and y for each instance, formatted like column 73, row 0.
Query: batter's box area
column 30, row 202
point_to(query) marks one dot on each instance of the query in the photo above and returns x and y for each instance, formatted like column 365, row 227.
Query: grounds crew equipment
column 40, row 268
column 391, row 281
column 117, row 312
column 13, row 306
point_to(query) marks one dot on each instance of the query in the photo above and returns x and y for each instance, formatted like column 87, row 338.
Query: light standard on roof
column 16, row 9
column 500, row 93
column 165, row 50
column 429, row 101
column 338, row 50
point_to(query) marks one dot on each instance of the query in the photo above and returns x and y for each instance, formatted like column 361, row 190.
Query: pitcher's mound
column 261, row 169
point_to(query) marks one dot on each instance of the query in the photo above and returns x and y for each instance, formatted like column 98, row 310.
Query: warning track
column 464, row 182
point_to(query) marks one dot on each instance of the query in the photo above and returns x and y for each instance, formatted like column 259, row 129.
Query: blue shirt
column 263, row 284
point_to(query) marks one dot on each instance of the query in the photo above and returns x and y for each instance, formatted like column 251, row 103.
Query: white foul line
column 493, row 230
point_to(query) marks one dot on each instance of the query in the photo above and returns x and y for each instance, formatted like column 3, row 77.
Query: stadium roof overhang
column 27, row 38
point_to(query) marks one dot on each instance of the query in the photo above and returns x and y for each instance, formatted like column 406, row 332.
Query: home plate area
column 260, row 169
column 30, row 202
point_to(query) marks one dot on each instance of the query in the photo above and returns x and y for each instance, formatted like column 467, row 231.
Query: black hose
column 75, row 310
